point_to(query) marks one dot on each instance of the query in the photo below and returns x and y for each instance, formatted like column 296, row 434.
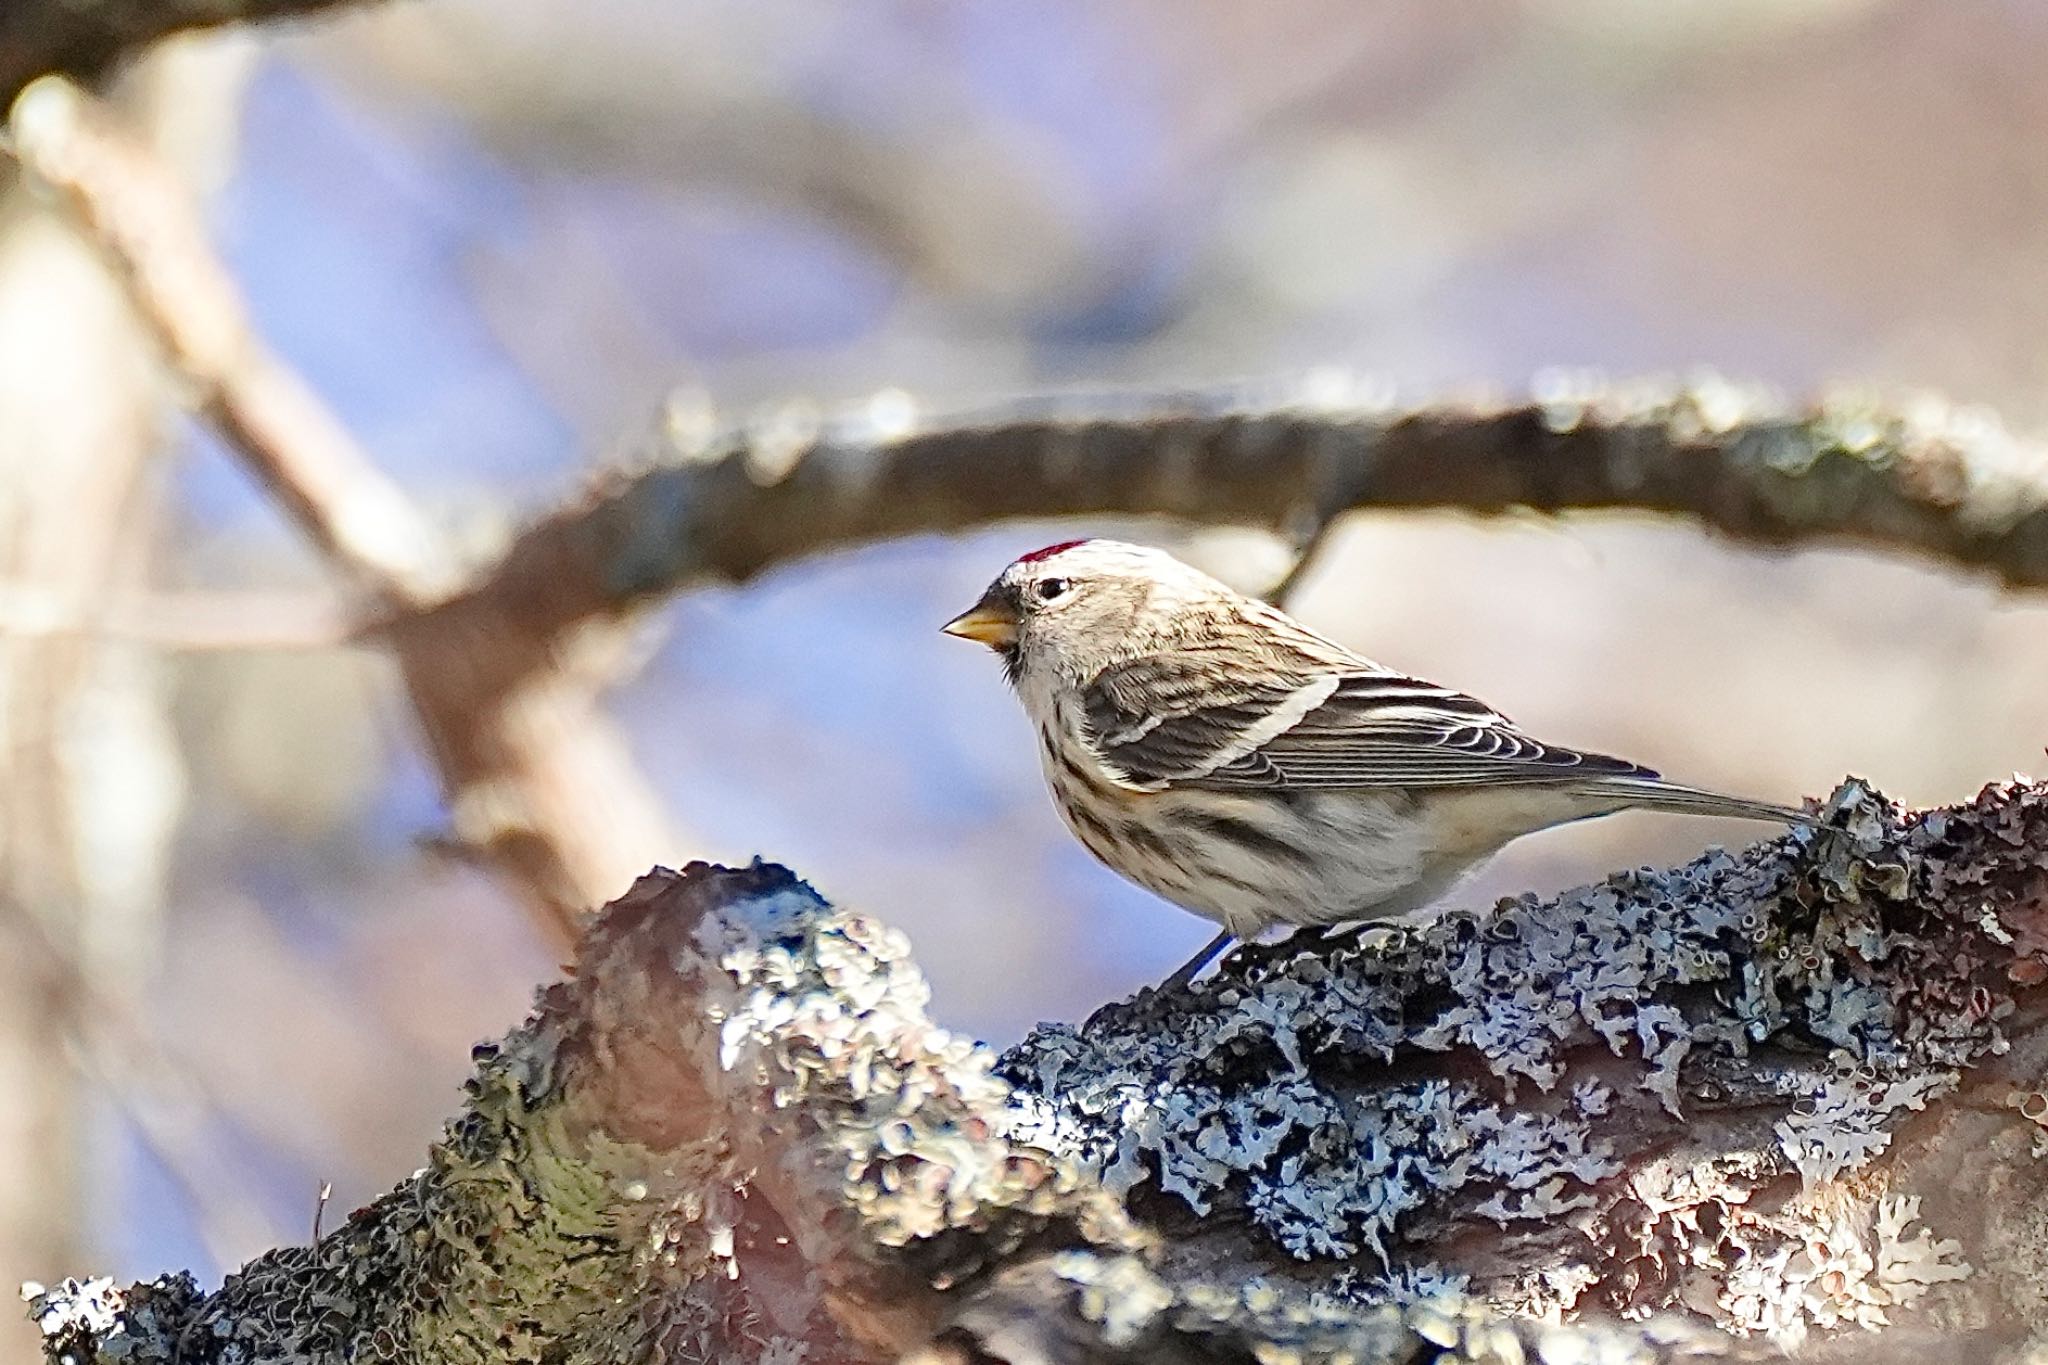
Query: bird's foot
column 1185, row 974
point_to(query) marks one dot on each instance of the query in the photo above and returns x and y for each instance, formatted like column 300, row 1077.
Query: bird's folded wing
column 1197, row 721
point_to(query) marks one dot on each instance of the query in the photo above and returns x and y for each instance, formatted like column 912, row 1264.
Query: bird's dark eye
column 1049, row 588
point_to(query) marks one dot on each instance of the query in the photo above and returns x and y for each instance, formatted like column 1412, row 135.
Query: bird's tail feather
column 1657, row 794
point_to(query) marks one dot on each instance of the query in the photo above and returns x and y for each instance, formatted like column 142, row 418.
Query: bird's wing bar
column 1159, row 721
column 1173, row 723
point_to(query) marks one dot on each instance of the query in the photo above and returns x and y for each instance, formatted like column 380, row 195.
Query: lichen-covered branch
column 728, row 504
column 732, row 1136
column 86, row 38
column 1794, row 1093
column 1790, row 1091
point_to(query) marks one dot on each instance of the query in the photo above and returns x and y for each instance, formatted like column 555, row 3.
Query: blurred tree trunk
column 91, row 783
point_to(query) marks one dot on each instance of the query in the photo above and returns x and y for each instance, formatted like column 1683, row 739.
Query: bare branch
column 1792, row 1093
column 536, row 780
column 121, row 197
column 729, row 505
column 535, row 777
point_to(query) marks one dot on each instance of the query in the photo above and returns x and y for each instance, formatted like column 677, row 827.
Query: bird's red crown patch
column 1049, row 551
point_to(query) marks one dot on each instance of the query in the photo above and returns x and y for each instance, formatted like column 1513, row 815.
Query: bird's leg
column 1195, row 964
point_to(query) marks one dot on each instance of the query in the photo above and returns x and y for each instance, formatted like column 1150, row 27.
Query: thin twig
column 1311, row 549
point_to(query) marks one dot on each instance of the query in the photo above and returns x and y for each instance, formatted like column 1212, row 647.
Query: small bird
column 1217, row 752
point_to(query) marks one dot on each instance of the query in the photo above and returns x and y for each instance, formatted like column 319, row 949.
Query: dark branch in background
column 1790, row 1093
column 86, row 38
column 534, row 777
column 727, row 506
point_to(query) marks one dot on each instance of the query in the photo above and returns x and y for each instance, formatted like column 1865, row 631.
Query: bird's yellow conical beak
column 987, row 622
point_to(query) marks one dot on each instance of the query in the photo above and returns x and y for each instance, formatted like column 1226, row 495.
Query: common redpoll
column 1222, row 755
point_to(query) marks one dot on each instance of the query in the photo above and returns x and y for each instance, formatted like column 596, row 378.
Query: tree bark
column 1788, row 1096
column 716, row 503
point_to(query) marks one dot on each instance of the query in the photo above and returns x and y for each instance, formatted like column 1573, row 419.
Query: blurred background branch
column 93, row 778
column 88, row 38
column 123, row 200
column 730, row 505
column 533, row 779
column 185, row 621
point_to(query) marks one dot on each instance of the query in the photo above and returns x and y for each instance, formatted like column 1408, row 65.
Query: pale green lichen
column 1846, row 1126
column 823, row 1011
column 549, row 1223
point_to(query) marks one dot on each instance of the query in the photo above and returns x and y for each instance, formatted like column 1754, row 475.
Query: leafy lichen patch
column 1364, row 1095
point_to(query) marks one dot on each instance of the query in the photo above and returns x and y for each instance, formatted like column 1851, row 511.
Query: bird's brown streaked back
column 1224, row 755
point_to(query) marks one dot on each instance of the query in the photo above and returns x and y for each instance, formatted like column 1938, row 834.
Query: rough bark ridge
column 1792, row 1093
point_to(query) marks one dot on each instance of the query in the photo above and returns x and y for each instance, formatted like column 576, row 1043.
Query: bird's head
column 1072, row 609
